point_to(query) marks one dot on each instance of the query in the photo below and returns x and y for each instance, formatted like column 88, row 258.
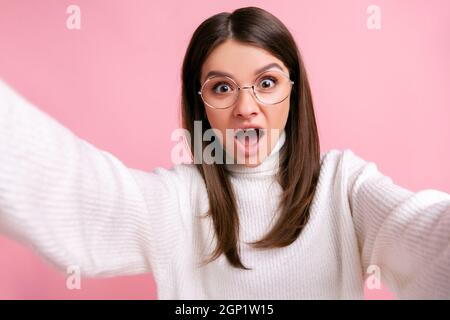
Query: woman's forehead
column 239, row 61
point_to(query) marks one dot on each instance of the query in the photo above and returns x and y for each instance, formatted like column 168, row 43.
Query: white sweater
column 78, row 205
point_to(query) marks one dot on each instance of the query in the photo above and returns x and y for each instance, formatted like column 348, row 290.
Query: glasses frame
column 245, row 87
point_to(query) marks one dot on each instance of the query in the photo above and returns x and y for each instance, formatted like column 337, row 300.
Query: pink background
column 382, row 93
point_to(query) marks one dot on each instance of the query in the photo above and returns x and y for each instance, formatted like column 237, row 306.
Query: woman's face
column 242, row 62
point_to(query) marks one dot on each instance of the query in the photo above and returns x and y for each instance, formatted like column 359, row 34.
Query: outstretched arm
column 406, row 234
column 78, row 205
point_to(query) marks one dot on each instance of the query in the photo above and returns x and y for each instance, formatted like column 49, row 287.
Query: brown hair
column 300, row 154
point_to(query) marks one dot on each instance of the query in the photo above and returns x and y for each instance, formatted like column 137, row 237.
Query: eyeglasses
column 270, row 87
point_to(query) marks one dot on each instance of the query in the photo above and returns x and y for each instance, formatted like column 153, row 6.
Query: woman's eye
column 222, row 88
column 268, row 83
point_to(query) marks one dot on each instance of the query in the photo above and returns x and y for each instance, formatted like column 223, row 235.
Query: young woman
column 292, row 225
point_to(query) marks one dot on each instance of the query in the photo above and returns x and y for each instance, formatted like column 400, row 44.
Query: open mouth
column 248, row 136
column 248, row 139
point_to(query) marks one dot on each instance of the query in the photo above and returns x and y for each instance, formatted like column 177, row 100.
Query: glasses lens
column 271, row 87
column 219, row 92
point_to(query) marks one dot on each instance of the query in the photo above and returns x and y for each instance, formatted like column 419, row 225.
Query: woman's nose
column 246, row 105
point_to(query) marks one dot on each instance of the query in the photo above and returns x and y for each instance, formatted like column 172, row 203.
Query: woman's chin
column 252, row 165
column 250, row 161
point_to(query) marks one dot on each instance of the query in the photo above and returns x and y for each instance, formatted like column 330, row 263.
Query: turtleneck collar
column 269, row 166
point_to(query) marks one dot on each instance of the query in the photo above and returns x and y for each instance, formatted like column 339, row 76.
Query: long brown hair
column 300, row 154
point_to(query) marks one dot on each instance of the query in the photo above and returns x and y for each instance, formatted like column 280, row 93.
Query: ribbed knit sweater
column 78, row 205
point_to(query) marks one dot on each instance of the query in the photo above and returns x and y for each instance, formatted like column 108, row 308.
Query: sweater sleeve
column 76, row 205
column 406, row 234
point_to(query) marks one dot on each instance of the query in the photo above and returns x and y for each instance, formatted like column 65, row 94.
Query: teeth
column 249, row 132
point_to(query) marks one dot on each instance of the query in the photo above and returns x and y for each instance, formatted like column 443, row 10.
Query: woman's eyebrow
column 223, row 73
column 269, row 66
